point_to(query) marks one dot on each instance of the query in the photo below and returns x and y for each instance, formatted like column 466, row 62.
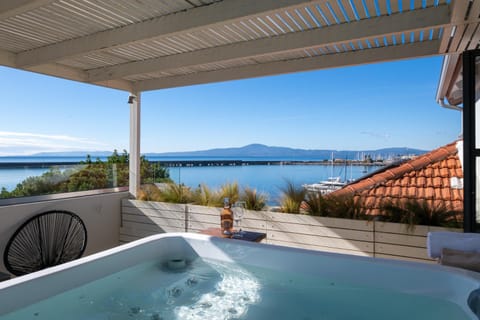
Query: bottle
column 226, row 218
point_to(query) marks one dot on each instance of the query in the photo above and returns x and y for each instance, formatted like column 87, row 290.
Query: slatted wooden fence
column 357, row 237
column 400, row 241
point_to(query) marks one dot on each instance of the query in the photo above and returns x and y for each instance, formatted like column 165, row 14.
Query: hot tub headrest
column 437, row 240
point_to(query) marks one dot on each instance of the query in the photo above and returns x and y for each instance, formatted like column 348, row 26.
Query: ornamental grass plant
column 205, row 196
column 176, row 193
column 292, row 197
column 419, row 212
column 230, row 191
column 253, row 200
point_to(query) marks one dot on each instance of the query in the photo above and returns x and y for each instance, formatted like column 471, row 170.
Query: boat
column 326, row 186
column 331, row 184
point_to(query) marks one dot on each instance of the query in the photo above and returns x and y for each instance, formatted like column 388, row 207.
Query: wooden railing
column 357, row 237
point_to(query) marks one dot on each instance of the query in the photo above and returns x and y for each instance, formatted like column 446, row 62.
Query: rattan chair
column 45, row 240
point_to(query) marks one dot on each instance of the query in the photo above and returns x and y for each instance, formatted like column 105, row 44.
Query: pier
column 197, row 163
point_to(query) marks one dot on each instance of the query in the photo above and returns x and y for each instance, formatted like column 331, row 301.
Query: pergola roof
column 463, row 36
column 152, row 44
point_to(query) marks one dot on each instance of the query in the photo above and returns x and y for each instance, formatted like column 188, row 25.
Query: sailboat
column 326, row 186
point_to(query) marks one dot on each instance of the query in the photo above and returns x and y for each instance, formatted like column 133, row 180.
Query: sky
column 353, row 108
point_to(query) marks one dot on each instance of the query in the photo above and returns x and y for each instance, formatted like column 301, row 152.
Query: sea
column 268, row 179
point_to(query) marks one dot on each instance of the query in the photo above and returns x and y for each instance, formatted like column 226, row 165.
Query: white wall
column 100, row 213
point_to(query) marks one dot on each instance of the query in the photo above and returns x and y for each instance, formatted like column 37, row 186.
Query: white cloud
column 378, row 135
column 25, row 143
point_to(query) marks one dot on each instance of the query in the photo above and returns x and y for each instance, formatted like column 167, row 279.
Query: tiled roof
column 427, row 177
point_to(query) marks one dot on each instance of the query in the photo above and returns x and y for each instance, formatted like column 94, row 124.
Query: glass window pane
column 477, row 103
column 477, row 139
column 477, row 195
column 477, row 124
column 477, row 79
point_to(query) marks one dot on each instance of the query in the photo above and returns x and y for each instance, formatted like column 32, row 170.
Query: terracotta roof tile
column 444, row 171
column 411, row 192
column 446, row 182
column 452, row 172
column 459, row 172
column 405, row 182
column 438, row 193
column 457, row 205
column 429, row 183
column 445, row 193
column 378, row 191
column 370, row 201
column 428, row 172
column 457, row 194
column 451, row 162
column 425, row 177
column 429, row 193
column 421, row 181
column 388, row 189
column 389, row 173
column 421, row 193
column 437, row 181
column 396, row 191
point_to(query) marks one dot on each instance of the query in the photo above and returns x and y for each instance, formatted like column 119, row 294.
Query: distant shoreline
column 198, row 163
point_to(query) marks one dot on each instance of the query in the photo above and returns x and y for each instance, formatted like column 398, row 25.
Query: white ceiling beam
column 60, row 71
column 351, row 58
column 56, row 70
column 64, row 72
column 7, row 59
column 459, row 8
column 10, row 8
column 123, row 85
column 185, row 21
column 384, row 25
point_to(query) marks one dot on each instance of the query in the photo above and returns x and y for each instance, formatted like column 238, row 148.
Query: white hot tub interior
column 189, row 276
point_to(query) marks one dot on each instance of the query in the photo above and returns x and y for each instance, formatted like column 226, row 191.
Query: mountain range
column 262, row 151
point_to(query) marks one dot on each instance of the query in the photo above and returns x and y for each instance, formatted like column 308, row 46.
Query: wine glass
column 238, row 212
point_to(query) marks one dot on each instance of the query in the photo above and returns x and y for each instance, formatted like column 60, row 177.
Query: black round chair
column 45, row 240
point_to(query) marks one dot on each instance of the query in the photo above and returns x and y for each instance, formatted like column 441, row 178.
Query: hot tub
column 191, row 276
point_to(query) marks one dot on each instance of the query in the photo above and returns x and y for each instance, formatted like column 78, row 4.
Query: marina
column 267, row 176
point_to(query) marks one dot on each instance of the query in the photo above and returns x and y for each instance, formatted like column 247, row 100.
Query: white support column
column 134, row 160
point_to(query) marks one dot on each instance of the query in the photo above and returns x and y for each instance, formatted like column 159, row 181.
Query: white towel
column 460, row 259
column 437, row 240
